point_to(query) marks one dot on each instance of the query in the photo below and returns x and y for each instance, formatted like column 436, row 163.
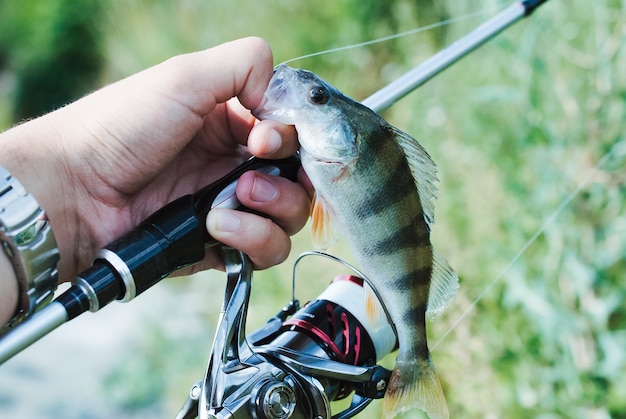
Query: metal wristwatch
column 27, row 239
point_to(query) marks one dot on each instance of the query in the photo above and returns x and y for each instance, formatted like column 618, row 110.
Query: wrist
column 8, row 290
column 31, row 154
column 28, row 243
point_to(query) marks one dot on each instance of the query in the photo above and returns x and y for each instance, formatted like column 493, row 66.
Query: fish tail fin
column 415, row 385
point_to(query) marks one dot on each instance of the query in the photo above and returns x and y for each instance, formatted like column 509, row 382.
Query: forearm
column 8, row 290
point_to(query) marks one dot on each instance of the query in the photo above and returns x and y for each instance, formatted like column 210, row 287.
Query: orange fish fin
column 415, row 385
column 444, row 285
column 323, row 231
column 423, row 169
column 373, row 309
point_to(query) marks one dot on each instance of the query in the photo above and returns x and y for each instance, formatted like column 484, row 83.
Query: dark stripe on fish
column 415, row 234
column 413, row 280
column 415, row 315
column 378, row 139
column 388, row 191
column 380, row 153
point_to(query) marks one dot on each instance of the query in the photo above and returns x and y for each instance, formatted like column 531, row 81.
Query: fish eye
column 319, row 95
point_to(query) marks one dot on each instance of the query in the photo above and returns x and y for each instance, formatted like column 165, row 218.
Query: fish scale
column 376, row 185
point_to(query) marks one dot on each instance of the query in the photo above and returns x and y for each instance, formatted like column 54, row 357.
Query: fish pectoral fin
column 415, row 385
column 444, row 285
column 423, row 169
column 323, row 231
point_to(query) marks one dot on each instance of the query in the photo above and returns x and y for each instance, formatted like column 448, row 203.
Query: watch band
column 27, row 239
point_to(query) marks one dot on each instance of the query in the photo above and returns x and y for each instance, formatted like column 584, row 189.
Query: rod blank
column 31, row 330
column 390, row 94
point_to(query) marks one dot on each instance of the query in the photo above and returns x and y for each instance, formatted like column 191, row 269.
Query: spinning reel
column 300, row 361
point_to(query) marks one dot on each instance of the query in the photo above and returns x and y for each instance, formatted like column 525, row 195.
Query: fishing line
column 394, row 36
column 618, row 149
column 620, row 145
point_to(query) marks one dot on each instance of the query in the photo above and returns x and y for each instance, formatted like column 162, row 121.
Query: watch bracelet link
column 28, row 241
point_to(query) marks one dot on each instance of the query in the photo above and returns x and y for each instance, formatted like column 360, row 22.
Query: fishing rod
column 175, row 236
column 396, row 90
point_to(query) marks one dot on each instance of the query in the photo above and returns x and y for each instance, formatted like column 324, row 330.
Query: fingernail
column 262, row 190
column 224, row 220
column 273, row 141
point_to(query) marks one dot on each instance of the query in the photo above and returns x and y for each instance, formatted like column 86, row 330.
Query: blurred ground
column 64, row 375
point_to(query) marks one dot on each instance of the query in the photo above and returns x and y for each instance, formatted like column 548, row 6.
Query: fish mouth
column 334, row 157
column 278, row 97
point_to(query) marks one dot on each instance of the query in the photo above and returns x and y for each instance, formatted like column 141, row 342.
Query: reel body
column 300, row 361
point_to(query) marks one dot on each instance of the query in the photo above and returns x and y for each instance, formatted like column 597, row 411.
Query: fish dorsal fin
column 323, row 230
column 444, row 285
column 424, row 171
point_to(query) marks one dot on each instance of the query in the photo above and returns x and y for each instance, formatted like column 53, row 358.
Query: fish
column 374, row 186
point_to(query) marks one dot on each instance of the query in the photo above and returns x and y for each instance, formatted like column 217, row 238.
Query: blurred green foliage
column 53, row 51
column 516, row 128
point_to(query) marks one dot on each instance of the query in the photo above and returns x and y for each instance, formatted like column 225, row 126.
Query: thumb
column 239, row 68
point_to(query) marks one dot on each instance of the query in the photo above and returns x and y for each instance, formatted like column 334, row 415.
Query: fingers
column 238, row 70
column 264, row 240
column 272, row 140
column 285, row 202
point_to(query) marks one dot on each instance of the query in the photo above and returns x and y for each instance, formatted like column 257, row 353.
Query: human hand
column 101, row 165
